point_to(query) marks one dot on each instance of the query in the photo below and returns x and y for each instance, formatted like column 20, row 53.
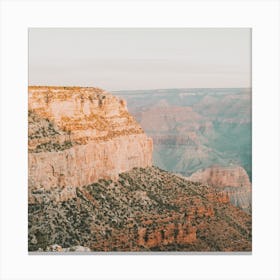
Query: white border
column 262, row 16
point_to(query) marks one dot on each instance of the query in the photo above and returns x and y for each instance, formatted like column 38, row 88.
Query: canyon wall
column 233, row 180
column 79, row 135
column 194, row 129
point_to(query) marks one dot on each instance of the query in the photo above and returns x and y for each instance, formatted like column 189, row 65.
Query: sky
column 140, row 58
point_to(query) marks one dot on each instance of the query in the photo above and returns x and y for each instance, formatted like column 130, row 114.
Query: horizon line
column 146, row 89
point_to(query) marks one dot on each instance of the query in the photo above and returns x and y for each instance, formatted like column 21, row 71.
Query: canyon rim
column 166, row 169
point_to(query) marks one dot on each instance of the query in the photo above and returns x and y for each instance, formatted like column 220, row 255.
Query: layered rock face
column 147, row 209
column 233, row 180
column 79, row 135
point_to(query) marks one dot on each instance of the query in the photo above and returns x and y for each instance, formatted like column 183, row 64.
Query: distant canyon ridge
column 202, row 134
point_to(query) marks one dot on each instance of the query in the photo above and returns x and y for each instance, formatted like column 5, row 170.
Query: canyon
column 198, row 129
column 93, row 186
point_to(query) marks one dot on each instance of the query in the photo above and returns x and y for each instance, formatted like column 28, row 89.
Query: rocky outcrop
column 147, row 209
column 233, row 180
column 165, row 235
column 59, row 249
column 83, row 113
column 79, row 135
column 219, row 176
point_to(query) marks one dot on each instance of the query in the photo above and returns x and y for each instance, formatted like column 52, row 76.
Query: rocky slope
column 146, row 209
column 78, row 135
column 233, row 180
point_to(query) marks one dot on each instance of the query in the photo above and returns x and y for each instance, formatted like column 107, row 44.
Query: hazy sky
column 139, row 58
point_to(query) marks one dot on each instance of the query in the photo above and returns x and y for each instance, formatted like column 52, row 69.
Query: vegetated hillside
column 146, row 209
column 194, row 129
column 44, row 135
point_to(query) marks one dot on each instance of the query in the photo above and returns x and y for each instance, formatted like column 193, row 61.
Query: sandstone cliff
column 79, row 135
column 233, row 180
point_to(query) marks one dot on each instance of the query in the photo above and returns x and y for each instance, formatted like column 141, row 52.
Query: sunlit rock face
column 79, row 135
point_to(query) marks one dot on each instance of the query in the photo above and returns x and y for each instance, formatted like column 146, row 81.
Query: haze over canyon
column 201, row 133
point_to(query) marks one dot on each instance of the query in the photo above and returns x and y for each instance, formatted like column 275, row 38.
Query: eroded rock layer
column 79, row 135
